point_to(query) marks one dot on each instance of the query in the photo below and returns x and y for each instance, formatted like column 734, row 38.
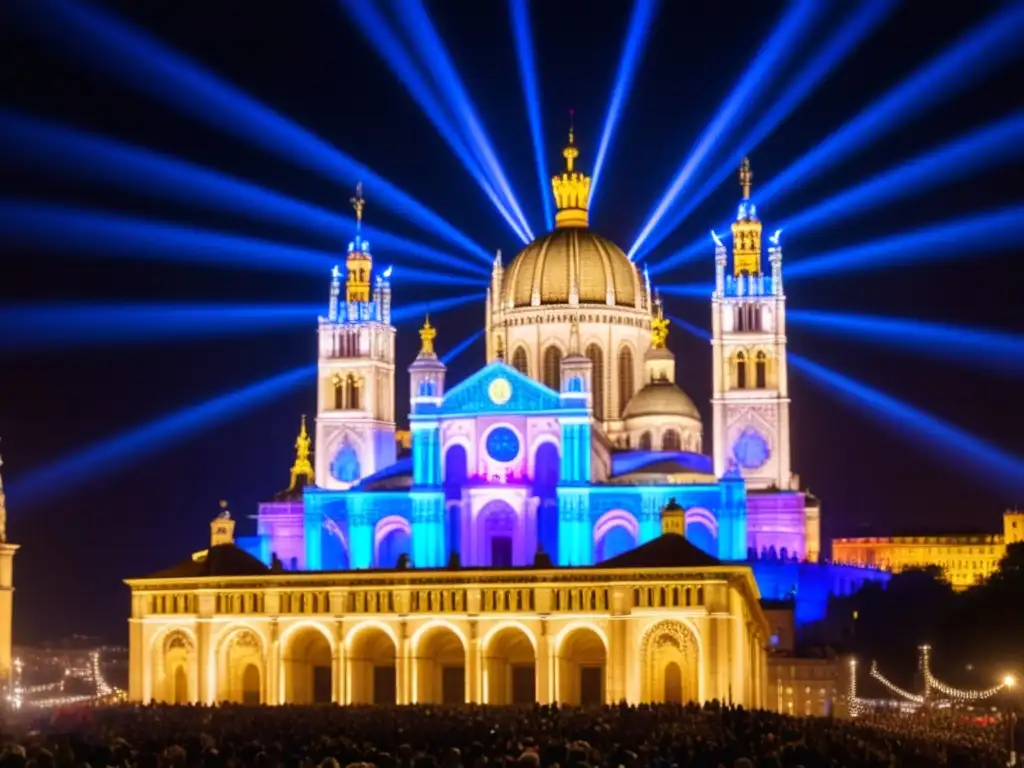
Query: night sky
column 306, row 60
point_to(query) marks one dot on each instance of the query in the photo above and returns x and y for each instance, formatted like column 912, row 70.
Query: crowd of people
column 664, row 736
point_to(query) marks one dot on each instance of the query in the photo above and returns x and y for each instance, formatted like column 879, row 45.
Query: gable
column 480, row 394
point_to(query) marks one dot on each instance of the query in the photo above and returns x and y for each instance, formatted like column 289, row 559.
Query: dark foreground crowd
column 488, row 737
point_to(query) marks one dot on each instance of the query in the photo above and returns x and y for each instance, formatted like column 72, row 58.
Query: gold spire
column 427, row 335
column 572, row 188
column 359, row 262
column 745, row 177
column 659, row 326
column 358, row 203
column 302, row 466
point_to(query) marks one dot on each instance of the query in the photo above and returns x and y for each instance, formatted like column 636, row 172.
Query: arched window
column 761, row 370
column 575, row 384
column 741, row 370
column 670, row 441
column 625, row 377
column 552, row 364
column 645, row 441
column 426, row 388
column 519, row 361
column 596, row 357
column 354, row 392
column 339, row 391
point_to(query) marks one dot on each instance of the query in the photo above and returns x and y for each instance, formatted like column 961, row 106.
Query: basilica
column 562, row 528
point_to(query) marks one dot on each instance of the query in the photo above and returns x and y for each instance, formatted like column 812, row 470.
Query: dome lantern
column 571, row 189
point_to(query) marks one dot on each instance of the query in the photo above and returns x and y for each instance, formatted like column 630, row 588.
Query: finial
column 774, row 239
column 570, row 153
column 745, row 176
column 716, row 238
column 427, row 335
column 225, row 514
column 358, row 203
column 659, row 325
column 302, row 466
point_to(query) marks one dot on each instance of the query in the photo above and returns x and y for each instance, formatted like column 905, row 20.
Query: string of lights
column 932, row 682
column 893, row 688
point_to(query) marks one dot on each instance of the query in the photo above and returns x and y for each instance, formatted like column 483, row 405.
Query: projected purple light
column 965, row 237
column 141, row 62
column 434, row 56
column 961, row 448
column 977, row 54
column 769, row 60
column 644, row 12
column 519, row 12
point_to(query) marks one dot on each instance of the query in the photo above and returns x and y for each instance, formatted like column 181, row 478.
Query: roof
column 629, row 462
column 661, row 398
column 221, row 560
column 294, row 492
column 669, row 550
column 394, row 477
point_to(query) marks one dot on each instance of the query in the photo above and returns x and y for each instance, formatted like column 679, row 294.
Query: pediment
column 499, row 388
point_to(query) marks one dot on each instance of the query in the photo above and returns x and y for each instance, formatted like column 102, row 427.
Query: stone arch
column 615, row 532
column 372, row 648
column 581, row 657
column 666, row 643
column 175, row 667
column 499, row 535
column 439, row 651
column 345, row 451
column 241, row 666
column 392, row 537
column 645, row 441
column 520, row 360
column 551, row 366
column 307, row 664
column 509, row 665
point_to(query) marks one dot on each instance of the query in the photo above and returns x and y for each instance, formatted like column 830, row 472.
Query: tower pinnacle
column 427, row 335
column 358, row 203
column 302, row 467
column 659, row 326
column 745, row 177
column 571, row 188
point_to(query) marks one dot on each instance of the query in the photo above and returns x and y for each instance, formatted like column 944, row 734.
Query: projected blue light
column 864, row 19
column 420, row 309
column 691, row 291
column 459, row 348
column 519, row 11
column 141, row 62
column 644, row 12
column 33, row 143
column 117, row 453
column 434, row 57
column 989, row 45
column 967, row 237
column 768, row 61
column 67, row 325
column 997, row 351
column 394, row 53
column 690, row 328
column 961, row 448
column 992, row 145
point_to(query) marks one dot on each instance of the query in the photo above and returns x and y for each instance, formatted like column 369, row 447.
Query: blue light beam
column 966, row 237
column 996, row 351
column 961, row 448
column 142, row 63
column 459, row 348
column 420, row 30
column 420, row 309
column 757, row 76
column 522, row 35
column 68, row 230
column 32, row 143
column 102, row 458
column 640, row 22
column 394, row 53
column 858, row 26
column 690, row 291
column 61, row 326
column 990, row 44
column 690, row 328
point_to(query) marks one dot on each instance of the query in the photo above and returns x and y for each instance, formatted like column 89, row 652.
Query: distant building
column 800, row 683
column 965, row 559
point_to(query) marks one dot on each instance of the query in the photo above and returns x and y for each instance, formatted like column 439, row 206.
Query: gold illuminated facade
column 663, row 622
column 965, row 559
column 7, row 551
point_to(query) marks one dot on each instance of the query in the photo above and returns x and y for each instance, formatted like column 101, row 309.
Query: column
column 616, row 660
column 207, row 663
column 544, row 667
column 403, row 666
column 338, row 665
column 474, row 695
column 275, row 693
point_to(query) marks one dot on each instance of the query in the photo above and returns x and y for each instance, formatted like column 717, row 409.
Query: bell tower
column 750, row 400
column 355, row 423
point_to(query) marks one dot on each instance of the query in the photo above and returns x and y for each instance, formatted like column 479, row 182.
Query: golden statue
column 659, row 328
column 302, row 466
column 427, row 335
column 358, row 203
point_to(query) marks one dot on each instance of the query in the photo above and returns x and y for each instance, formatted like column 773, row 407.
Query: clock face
column 751, row 450
column 500, row 391
column 502, row 444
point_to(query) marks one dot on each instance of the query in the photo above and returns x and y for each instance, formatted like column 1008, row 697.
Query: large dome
column 547, row 269
column 661, row 398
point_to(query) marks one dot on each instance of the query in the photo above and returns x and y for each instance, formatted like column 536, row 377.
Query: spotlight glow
column 394, row 53
column 120, row 452
column 519, row 11
column 967, row 237
column 459, row 348
column 691, row 291
column 858, row 26
column 741, row 100
column 141, row 62
column 413, row 16
column 32, row 143
column 999, row 352
column 989, row 45
column 420, row 309
column 644, row 12
column 961, row 448
column 690, row 328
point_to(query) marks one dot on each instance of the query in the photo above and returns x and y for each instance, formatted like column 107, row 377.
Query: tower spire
column 746, row 230
column 359, row 263
column 659, row 325
column 571, row 188
column 302, row 467
column 358, row 203
column 427, row 335
column 745, row 177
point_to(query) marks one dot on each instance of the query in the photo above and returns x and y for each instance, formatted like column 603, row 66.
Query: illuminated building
column 965, row 559
column 7, row 551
